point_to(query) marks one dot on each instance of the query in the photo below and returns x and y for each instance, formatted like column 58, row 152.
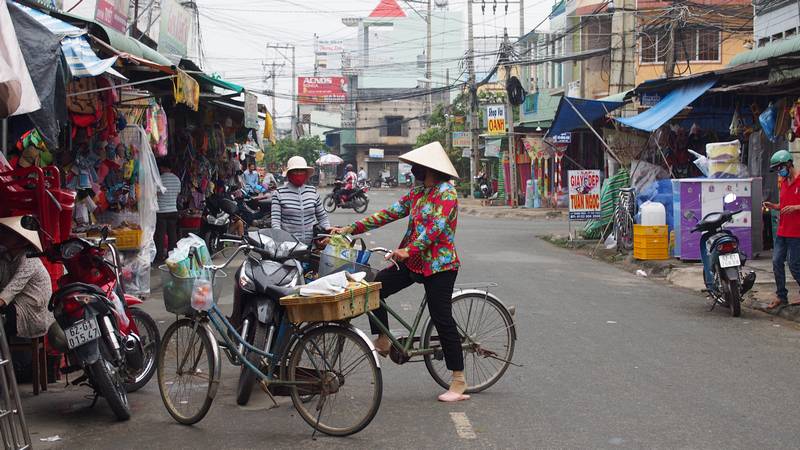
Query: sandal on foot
column 451, row 396
column 776, row 304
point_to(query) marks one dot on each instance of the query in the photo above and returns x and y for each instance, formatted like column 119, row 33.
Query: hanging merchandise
column 736, row 123
column 157, row 129
column 186, row 90
column 767, row 120
column 795, row 127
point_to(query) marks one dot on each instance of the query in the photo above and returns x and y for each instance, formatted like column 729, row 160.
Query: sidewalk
column 690, row 274
column 473, row 207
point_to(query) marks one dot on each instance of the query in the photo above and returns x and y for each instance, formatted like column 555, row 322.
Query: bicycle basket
column 329, row 264
column 177, row 291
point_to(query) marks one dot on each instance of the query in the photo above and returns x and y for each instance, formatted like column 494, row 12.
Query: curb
column 662, row 269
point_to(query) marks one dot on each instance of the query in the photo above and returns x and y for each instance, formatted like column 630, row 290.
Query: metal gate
column 13, row 428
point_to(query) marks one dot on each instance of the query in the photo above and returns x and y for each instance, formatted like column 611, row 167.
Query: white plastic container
column 653, row 213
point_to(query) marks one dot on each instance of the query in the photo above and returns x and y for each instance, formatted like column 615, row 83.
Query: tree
column 307, row 147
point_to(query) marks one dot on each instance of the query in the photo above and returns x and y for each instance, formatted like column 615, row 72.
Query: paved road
column 610, row 361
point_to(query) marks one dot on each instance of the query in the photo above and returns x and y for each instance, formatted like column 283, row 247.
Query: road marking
column 463, row 425
column 611, row 322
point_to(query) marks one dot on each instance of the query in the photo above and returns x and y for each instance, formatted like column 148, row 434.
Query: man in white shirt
column 167, row 216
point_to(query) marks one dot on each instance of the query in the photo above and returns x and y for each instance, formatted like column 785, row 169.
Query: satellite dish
column 440, row 3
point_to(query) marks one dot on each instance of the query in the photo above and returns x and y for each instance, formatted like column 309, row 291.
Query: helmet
column 778, row 158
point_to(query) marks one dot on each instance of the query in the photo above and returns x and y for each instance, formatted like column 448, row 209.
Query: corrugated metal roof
column 546, row 106
column 772, row 50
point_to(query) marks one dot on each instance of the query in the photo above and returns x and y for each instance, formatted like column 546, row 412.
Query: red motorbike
column 98, row 326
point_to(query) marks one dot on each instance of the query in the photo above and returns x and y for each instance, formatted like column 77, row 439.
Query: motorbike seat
column 73, row 288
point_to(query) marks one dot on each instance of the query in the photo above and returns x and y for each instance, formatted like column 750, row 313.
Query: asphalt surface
column 610, row 360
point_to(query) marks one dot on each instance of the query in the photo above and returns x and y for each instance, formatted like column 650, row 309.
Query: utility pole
column 669, row 58
column 274, row 75
column 428, row 72
column 295, row 110
column 448, row 137
column 623, row 22
column 474, row 126
column 512, row 151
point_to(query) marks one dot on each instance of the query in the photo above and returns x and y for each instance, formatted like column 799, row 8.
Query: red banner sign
column 113, row 13
column 313, row 90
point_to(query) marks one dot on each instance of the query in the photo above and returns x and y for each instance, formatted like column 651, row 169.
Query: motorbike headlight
column 246, row 282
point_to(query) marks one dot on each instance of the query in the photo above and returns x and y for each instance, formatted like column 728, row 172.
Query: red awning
column 388, row 8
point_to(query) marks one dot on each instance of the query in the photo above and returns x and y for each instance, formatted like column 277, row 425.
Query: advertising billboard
column 173, row 32
column 584, row 194
column 314, row 90
column 113, row 13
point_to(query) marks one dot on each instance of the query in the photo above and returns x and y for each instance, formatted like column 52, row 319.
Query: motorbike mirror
column 729, row 198
column 30, row 223
column 104, row 233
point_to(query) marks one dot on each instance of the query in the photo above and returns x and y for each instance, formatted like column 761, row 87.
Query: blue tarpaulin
column 669, row 106
column 567, row 119
column 81, row 59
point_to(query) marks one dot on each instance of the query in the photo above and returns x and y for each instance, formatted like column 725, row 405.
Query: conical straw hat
column 431, row 156
column 15, row 224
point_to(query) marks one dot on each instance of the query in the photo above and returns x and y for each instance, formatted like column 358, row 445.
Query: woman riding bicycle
column 427, row 253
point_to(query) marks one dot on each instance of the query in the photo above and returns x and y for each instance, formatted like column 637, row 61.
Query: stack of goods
column 723, row 159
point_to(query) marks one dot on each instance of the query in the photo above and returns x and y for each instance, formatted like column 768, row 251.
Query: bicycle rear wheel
column 345, row 387
column 484, row 323
column 188, row 371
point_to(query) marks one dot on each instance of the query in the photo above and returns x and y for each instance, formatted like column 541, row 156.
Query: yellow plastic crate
column 650, row 242
column 128, row 239
column 650, row 254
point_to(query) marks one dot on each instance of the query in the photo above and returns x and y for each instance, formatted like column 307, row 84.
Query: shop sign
column 250, row 110
column 492, row 148
column 466, row 152
column 584, row 194
column 574, row 89
column 496, row 119
column 376, row 153
column 649, row 100
column 173, row 31
column 563, row 138
column 113, row 13
column 462, row 139
column 315, row 90
column 330, row 46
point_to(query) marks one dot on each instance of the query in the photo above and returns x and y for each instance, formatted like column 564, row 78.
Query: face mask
column 297, row 178
column 419, row 172
column 784, row 172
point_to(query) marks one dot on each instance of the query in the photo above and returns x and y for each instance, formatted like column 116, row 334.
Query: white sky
column 235, row 33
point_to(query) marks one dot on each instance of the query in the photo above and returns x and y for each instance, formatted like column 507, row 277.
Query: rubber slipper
column 451, row 396
column 777, row 305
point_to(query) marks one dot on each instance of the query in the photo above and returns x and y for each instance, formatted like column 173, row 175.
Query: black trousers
column 438, row 292
column 10, row 315
column 166, row 224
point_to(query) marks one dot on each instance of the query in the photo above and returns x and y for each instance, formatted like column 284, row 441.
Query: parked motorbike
column 484, row 185
column 215, row 222
column 255, row 209
column 98, row 326
column 384, row 181
column 261, row 282
column 722, row 260
column 358, row 199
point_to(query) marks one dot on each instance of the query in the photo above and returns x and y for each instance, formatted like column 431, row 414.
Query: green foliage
column 307, row 147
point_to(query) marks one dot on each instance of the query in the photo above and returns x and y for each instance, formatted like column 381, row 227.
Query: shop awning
column 220, row 83
column 574, row 113
column 669, row 106
column 81, row 59
column 783, row 47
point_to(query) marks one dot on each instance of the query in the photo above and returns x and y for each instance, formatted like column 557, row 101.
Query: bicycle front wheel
column 487, row 327
column 188, row 371
column 342, row 384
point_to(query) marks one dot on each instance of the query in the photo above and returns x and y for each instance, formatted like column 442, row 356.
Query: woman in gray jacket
column 296, row 206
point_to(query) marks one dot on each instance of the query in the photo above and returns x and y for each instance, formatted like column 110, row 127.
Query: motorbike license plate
column 82, row 332
column 729, row 260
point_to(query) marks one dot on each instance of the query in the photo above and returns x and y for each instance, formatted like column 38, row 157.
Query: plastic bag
column 342, row 249
column 202, row 294
column 700, row 161
column 767, row 120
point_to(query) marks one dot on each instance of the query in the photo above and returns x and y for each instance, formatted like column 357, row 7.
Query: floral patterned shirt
column 430, row 238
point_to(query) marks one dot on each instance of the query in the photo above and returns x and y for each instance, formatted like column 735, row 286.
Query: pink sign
column 113, row 13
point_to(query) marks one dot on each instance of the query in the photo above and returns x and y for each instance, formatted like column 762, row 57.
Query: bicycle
column 486, row 326
column 329, row 369
column 623, row 219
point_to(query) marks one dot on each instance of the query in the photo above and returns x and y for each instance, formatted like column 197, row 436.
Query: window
column 790, row 32
column 690, row 45
column 763, row 41
column 394, row 125
column 708, row 43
